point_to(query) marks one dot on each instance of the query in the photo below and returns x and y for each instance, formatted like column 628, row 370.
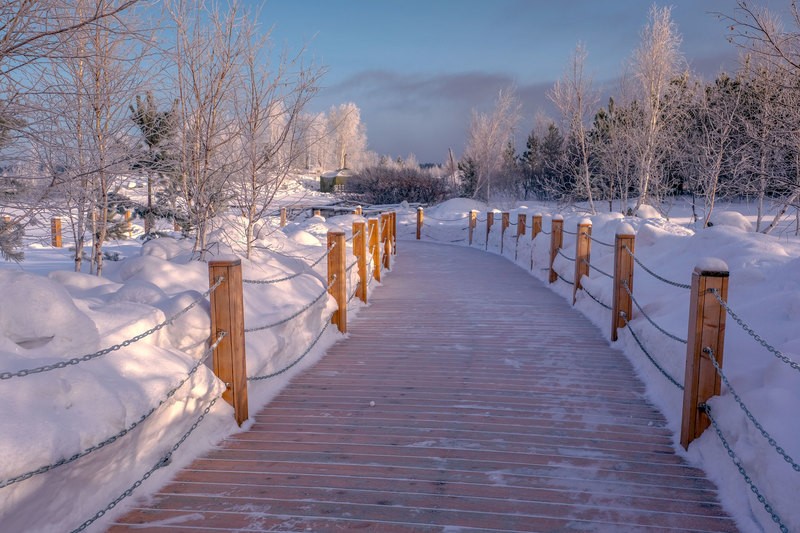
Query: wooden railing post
column 358, row 211
column 128, row 225
column 374, row 248
column 473, row 221
column 360, row 251
column 623, row 275
column 536, row 225
column 227, row 314
column 317, row 213
column 489, row 223
column 55, row 232
column 393, row 226
column 521, row 225
column 420, row 220
column 337, row 277
column 386, row 241
column 556, row 241
column 504, row 223
column 706, row 338
column 7, row 219
column 583, row 248
column 283, row 217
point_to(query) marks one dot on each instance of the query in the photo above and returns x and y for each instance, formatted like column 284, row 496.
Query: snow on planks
column 496, row 408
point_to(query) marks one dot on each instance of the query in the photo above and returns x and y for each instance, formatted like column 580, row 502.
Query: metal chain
column 659, row 278
column 284, row 369
column 326, row 254
column 296, row 314
column 591, row 266
column 354, row 235
column 568, row 232
column 562, row 278
column 112, row 439
column 650, row 357
column 115, row 347
column 738, row 462
column 639, row 307
column 160, row 464
column 565, row 256
column 601, row 243
column 270, row 281
column 772, row 442
column 545, row 232
column 349, row 268
column 771, row 349
column 595, row 299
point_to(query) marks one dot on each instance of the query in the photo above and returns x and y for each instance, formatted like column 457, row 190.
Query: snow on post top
column 558, row 217
column 585, row 222
column 625, row 229
column 538, row 214
column 228, row 259
column 711, row 264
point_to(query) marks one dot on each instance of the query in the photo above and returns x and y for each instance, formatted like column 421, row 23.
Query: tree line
column 194, row 97
column 665, row 132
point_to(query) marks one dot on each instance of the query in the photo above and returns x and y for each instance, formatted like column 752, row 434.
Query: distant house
column 334, row 180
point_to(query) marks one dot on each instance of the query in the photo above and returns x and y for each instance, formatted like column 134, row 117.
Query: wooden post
column 706, row 333
column 283, row 217
column 489, row 223
column 393, row 227
column 374, row 248
column 317, row 213
column 337, row 277
column 55, row 232
column 128, row 226
column 420, row 220
column 473, row 221
column 536, row 225
column 358, row 211
column 386, row 241
column 623, row 273
column 360, row 251
column 556, row 241
column 583, row 248
column 227, row 314
column 521, row 225
column 7, row 219
column 504, row 223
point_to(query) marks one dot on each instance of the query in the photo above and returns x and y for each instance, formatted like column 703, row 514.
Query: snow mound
column 457, row 206
column 647, row 211
column 732, row 219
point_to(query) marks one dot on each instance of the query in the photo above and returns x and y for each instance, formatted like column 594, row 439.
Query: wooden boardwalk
column 497, row 407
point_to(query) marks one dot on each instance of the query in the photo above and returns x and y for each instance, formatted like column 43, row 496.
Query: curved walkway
column 489, row 414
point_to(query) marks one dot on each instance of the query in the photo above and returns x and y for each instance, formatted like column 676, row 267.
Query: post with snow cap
column 374, row 247
column 504, row 223
column 623, row 277
column 556, row 241
column 489, row 224
column 227, row 315
column 536, row 225
column 473, row 221
column 386, row 240
column 705, row 341
column 520, row 232
column 337, row 277
column 7, row 219
column 283, row 217
column 583, row 248
column 358, row 210
column 420, row 220
column 360, row 251
column 317, row 212
column 55, row 232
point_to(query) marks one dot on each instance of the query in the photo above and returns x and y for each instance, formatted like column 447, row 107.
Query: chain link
column 565, row 256
column 296, row 314
column 427, row 216
column 639, row 307
column 591, row 266
column 562, row 278
column 771, row 349
column 659, row 278
column 595, row 299
column 568, row 232
column 112, row 439
column 772, row 442
column 650, row 357
column 601, row 243
column 305, row 353
column 738, row 463
column 160, row 464
column 115, row 347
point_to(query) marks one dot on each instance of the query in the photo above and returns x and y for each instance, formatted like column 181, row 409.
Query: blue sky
column 417, row 67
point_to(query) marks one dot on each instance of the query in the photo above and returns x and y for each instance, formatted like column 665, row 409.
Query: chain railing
column 294, row 315
column 114, row 438
column 597, row 241
column 307, row 270
column 658, row 277
column 647, row 317
column 705, row 408
column 648, row 354
column 105, row 351
column 297, row 359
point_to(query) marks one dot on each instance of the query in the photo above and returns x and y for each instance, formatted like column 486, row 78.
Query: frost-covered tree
column 347, row 137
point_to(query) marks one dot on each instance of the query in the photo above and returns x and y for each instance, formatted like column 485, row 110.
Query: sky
column 416, row 68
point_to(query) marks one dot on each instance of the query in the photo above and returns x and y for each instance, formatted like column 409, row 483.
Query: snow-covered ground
column 50, row 315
